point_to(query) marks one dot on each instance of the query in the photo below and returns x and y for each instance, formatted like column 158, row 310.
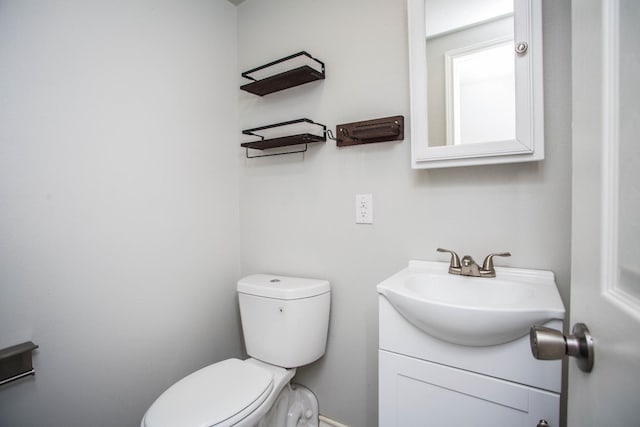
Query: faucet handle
column 455, row 259
column 487, row 265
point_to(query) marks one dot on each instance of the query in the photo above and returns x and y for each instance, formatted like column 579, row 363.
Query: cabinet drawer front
column 414, row 392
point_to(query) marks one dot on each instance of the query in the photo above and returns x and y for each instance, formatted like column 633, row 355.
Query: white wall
column 297, row 212
column 118, row 202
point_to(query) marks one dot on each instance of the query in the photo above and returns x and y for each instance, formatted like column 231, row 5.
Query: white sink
column 473, row 311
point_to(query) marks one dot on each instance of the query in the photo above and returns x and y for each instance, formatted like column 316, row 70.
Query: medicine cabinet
column 476, row 82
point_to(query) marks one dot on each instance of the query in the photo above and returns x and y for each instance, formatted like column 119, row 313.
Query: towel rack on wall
column 284, row 73
column 16, row 362
column 294, row 132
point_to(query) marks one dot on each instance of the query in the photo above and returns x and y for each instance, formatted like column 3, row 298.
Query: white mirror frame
column 529, row 142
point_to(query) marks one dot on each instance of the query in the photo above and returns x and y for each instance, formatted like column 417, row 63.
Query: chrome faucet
column 468, row 267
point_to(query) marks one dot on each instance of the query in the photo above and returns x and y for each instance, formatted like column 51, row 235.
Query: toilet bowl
column 285, row 324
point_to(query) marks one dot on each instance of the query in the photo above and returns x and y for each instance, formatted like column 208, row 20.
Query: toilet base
column 296, row 406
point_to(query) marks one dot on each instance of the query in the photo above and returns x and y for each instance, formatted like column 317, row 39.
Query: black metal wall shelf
column 297, row 138
column 286, row 79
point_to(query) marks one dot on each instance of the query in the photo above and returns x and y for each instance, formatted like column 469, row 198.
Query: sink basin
column 473, row 311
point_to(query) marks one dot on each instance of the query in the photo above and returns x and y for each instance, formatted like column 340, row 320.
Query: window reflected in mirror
column 470, row 71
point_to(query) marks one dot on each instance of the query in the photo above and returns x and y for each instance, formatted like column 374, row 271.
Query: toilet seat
column 218, row 395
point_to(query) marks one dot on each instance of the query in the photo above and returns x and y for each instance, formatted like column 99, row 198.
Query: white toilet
column 285, row 322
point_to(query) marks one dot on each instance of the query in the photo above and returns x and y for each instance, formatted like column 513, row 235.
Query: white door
column 605, row 273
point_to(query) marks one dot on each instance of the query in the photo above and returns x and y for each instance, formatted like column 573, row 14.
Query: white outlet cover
column 364, row 209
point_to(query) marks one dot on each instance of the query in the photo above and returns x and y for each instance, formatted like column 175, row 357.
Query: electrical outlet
column 364, row 209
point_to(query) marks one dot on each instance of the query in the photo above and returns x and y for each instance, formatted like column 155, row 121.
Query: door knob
column 550, row 344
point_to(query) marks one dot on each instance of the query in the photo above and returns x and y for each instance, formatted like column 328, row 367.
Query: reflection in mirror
column 470, row 71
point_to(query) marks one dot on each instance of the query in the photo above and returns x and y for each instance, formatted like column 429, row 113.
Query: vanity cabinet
column 413, row 391
column 426, row 381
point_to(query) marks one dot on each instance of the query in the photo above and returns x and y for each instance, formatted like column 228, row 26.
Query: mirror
column 476, row 82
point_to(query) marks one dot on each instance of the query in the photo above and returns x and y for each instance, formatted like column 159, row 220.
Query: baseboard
column 328, row 422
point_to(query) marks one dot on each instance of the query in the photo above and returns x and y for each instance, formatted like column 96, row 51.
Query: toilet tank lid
column 282, row 287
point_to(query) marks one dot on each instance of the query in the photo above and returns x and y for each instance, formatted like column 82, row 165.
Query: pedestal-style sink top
column 473, row 311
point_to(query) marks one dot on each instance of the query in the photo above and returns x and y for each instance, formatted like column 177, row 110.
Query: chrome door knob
column 547, row 343
column 550, row 344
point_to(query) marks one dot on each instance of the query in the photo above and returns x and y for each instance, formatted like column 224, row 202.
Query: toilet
column 285, row 322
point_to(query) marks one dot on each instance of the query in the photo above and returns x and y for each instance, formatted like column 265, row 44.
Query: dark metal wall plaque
column 368, row 131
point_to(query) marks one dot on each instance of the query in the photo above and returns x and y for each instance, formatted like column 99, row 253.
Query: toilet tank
column 285, row 320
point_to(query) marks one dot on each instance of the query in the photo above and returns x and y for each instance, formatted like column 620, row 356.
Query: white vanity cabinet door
column 417, row 393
